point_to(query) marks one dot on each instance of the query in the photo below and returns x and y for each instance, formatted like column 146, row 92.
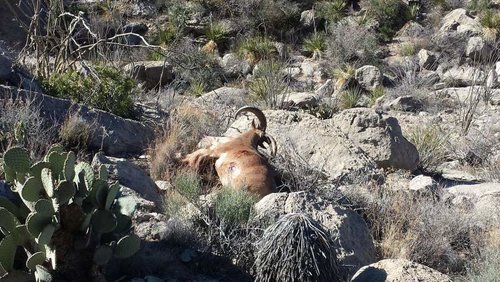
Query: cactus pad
column 31, row 190
column 103, row 173
column 103, row 254
column 56, row 161
column 10, row 174
column 69, row 166
column 45, row 207
column 7, row 220
column 125, row 205
column 46, row 234
column 124, row 223
column 8, row 205
column 35, row 259
column 21, row 235
column 64, row 192
column 17, row 159
column 36, row 223
column 88, row 173
column 54, row 148
column 112, row 193
column 36, row 169
column 7, row 252
column 42, row 274
column 127, row 246
column 47, row 182
column 103, row 221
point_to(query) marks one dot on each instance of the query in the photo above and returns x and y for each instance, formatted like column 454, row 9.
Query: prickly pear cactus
column 65, row 206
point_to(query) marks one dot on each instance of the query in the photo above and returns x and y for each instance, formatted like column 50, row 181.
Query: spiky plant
column 343, row 75
column 296, row 248
column 316, row 44
column 349, row 98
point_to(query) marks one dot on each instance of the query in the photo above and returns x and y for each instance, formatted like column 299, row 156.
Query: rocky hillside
column 386, row 116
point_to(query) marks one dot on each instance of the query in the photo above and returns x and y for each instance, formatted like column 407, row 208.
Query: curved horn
column 257, row 112
column 272, row 144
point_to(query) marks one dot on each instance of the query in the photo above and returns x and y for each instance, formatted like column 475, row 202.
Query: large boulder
column 354, row 243
column 427, row 59
column 130, row 175
column 460, row 22
column 152, row 73
column 463, row 76
column 398, row 270
column 478, row 49
column 5, row 68
column 114, row 135
column 355, row 140
column 369, row 77
column 234, row 67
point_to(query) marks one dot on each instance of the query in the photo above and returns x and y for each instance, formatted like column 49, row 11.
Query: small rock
column 477, row 49
column 406, row 104
column 233, row 66
column 326, row 89
column 369, row 77
column 302, row 100
column 427, row 59
column 398, row 270
column 153, row 73
column 422, row 183
column 460, row 76
column 307, row 18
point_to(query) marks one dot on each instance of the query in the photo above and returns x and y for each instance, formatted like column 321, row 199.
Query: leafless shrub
column 421, row 228
column 21, row 124
column 183, row 130
column 350, row 43
column 270, row 83
column 296, row 248
column 75, row 133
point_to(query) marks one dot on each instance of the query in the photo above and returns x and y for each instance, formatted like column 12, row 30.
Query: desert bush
column 407, row 49
column 104, row 88
column 315, row 44
column 256, row 48
column 234, row 206
column 431, row 143
column 21, row 124
column 480, row 5
column 420, row 228
column 351, row 44
column 491, row 19
column 350, row 98
column 215, row 32
column 343, row 75
column 184, row 129
column 390, row 14
column 331, row 10
column 188, row 184
column 75, row 133
column 194, row 66
column 296, row 248
column 270, row 83
column 375, row 94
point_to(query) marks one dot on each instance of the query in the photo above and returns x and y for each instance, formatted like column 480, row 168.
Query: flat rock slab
column 116, row 136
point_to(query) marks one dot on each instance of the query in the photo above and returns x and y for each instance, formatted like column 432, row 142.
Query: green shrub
column 480, row 5
column 331, row 10
column 351, row 44
column 431, row 143
column 491, row 19
column 215, row 32
column 256, row 48
column 234, row 206
column 106, row 89
column 296, row 248
column 390, row 14
column 269, row 83
column 375, row 94
column 188, row 184
column 315, row 44
column 350, row 98
column 407, row 49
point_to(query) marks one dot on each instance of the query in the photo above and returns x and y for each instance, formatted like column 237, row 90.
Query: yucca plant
column 296, row 248
column 257, row 48
column 350, row 98
column 332, row 10
column 316, row 44
column 343, row 76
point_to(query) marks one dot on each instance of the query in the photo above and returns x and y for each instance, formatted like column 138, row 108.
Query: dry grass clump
column 21, row 124
column 424, row 229
column 432, row 146
column 296, row 248
column 75, row 133
column 184, row 129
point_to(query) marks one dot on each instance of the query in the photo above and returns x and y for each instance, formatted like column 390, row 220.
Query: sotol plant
column 69, row 221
